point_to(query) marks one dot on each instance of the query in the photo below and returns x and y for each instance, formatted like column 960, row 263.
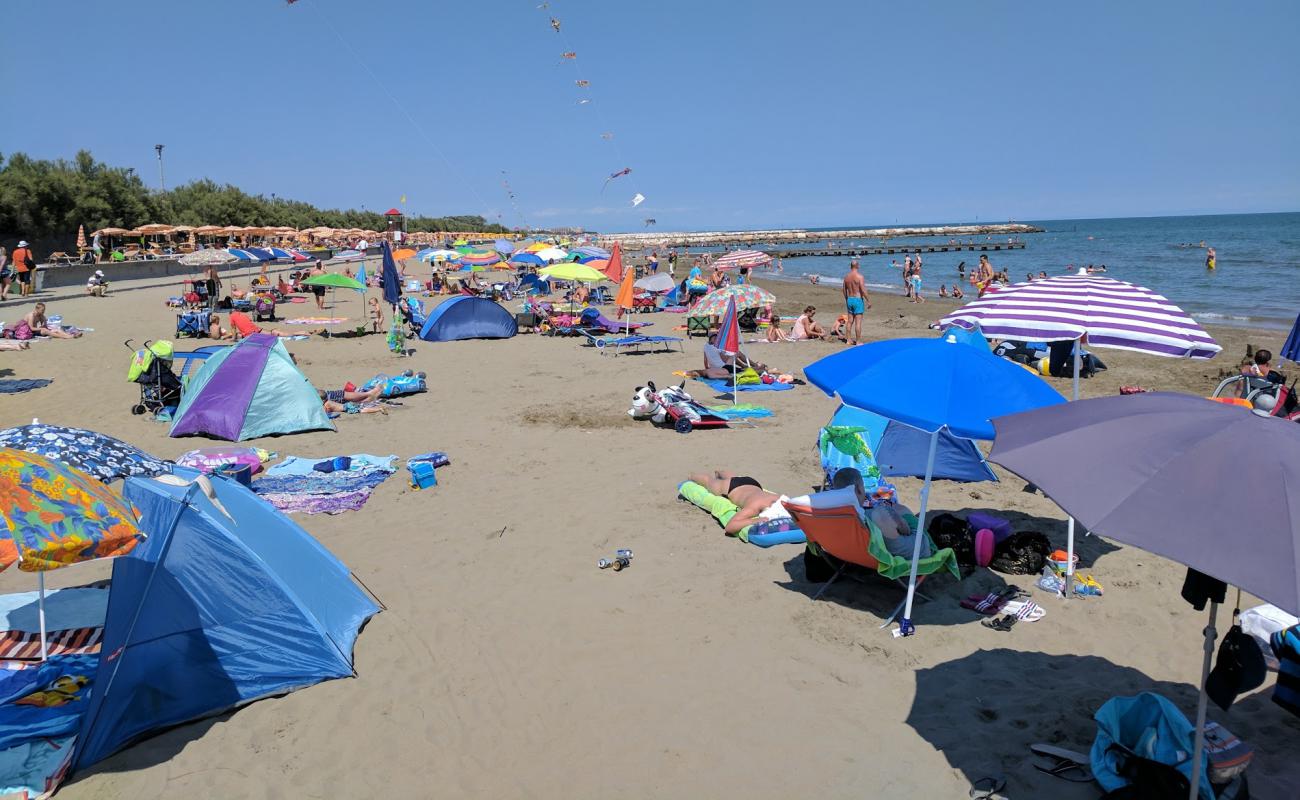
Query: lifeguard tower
column 396, row 221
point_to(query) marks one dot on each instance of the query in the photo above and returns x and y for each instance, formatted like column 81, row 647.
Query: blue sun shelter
column 468, row 318
column 901, row 450
column 227, row 601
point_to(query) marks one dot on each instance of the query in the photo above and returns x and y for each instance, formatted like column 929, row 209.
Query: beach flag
column 624, row 297
column 729, row 341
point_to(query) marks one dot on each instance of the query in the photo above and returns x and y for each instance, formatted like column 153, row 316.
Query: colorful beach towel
column 721, row 386
column 33, row 770
column 316, row 321
column 26, row 645
column 743, row 411
column 295, row 486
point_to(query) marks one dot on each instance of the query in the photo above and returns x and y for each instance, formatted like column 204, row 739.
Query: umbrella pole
column 1067, row 584
column 40, row 611
column 905, row 626
column 1198, row 750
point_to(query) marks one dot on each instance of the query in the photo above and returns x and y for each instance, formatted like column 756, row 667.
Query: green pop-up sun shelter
column 249, row 390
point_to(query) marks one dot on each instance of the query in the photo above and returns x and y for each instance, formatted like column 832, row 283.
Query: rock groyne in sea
column 798, row 235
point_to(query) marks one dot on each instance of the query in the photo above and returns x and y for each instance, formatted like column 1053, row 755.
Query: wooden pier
column 899, row 249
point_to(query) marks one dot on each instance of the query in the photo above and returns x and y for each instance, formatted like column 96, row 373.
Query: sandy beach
column 508, row 666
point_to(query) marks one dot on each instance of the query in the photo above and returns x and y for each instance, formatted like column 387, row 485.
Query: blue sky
column 753, row 114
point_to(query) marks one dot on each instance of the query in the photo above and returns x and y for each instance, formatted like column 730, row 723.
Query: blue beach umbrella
column 933, row 385
column 242, row 255
column 260, row 253
column 503, row 246
column 527, row 258
column 392, row 282
column 1291, row 350
column 280, row 253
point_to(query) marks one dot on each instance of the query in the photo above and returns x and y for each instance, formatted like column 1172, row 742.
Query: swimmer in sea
column 814, row 279
column 1209, row 258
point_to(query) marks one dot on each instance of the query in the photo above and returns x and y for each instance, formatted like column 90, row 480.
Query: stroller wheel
column 138, row 409
column 682, row 425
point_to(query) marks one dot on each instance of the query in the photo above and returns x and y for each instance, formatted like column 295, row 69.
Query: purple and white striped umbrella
column 1112, row 313
column 741, row 258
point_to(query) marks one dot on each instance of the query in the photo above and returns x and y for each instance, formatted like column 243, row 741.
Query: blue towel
column 739, row 413
column 19, row 385
column 64, row 609
column 721, row 385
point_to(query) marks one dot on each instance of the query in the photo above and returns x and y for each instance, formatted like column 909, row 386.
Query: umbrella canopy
column 153, row 229
column 334, row 280
column 526, row 258
column 479, row 258
column 614, row 269
column 592, row 251
column 1125, row 467
column 113, row 231
column 57, row 515
column 747, row 296
column 658, row 282
column 626, row 292
column 437, row 255
column 242, row 255
column 203, row 258
column 95, row 454
column 1112, row 313
column 1291, row 348
column 392, row 281
column 260, row 253
column 503, row 246
column 931, row 384
column 728, row 340
column 572, row 272
column 281, row 253
column 553, row 254
column 742, row 258
column 81, row 236
column 403, row 254
column 537, row 247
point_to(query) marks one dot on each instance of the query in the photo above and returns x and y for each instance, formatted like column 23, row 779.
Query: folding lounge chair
column 834, row 525
column 607, row 344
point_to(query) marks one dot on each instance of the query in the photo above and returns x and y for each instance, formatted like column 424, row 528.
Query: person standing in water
column 856, row 300
column 1209, row 259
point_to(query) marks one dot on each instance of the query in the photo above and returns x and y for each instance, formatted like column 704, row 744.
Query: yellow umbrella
column 570, row 271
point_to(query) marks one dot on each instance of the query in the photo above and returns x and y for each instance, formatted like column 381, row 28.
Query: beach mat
column 20, row 385
column 720, row 385
column 316, row 321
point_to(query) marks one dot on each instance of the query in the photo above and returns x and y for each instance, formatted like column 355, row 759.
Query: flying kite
column 619, row 174
column 607, row 136
column 583, row 102
column 582, row 84
column 651, row 221
column 638, row 200
column 569, row 55
column 555, row 23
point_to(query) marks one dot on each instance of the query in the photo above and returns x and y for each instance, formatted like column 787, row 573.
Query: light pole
column 162, row 184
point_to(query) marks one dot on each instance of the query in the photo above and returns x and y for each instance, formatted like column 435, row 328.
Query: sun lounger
column 613, row 344
column 838, row 533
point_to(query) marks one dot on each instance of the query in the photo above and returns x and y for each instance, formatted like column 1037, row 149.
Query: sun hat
column 22, row 243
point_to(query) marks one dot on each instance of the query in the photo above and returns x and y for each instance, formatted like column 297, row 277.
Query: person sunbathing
column 753, row 503
column 806, row 327
column 242, row 327
column 341, row 401
column 36, row 324
column 718, row 364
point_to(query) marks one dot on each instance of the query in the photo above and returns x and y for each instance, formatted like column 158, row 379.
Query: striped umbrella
column 742, row 258
column 728, row 341
column 81, row 237
column 1111, row 313
column 479, row 258
column 747, row 296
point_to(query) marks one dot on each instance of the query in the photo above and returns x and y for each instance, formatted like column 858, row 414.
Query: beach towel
column 740, row 412
column 20, row 385
column 294, row 486
column 26, row 645
column 316, row 321
column 46, row 700
column 721, row 386
column 764, row 534
column 33, row 770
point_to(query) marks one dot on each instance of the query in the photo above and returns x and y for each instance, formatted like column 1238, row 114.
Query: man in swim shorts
column 856, row 302
column 753, row 504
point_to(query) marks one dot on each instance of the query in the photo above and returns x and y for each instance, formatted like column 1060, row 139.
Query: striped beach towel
column 26, row 645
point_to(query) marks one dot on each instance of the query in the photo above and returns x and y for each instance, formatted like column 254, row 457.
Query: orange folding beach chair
column 833, row 523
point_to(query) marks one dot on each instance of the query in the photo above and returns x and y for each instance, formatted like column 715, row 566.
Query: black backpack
column 1147, row 779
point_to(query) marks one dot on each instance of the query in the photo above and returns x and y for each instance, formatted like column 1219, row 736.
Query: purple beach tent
column 252, row 389
column 1108, row 312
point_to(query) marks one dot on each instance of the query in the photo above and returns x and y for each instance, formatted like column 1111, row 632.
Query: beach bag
column 1022, row 553
column 747, row 377
column 956, row 534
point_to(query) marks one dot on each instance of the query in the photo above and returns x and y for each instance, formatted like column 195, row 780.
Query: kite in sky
column 607, row 136
column 569, row 55
column 651, row 221
column 555, row 23
column 582, row 84
column 583, row 102
column 619, row 174
column 638, row 200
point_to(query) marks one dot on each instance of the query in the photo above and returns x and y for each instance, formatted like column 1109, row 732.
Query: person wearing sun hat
column 24, row 267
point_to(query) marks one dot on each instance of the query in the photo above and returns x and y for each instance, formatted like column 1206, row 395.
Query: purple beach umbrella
column 1212, row 486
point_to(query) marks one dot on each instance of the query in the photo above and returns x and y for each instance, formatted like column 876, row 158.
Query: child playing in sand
column 341, row 401
column 774, row 332
column 215, row 331
column 806, row 327
column 376, row 315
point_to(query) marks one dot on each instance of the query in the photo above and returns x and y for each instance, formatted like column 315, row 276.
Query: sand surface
column 507, row 665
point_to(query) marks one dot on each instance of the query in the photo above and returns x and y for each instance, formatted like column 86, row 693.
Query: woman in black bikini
column 753, row 503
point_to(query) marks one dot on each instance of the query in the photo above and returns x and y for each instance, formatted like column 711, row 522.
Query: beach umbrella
column 527, row 258
column 203, row 258
column 658, row 282
column 56, row 515
column 1110, row 313
column 1211, row 486
column 281, row 253
column 624, row 298
column 334, row 281
column 932, row 385
column 113, row 232
column 728, row 340
column 572, row 272
column 437, row 255
column 742, row 258
column 553, row 254
column 613, row 269
column 503, row 247
column 242, row 255
column 537, row 247
column 260, row 253
column 403, row 254
column 479, row 258
column 746, row 296
column 1291, row 348
column 102, row 457
column 589, row 251
column 81, row 237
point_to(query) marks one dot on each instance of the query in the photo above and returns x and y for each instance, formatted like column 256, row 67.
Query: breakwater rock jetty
column 775, row 238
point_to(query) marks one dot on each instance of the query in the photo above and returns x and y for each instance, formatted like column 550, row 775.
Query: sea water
column 1256, row 282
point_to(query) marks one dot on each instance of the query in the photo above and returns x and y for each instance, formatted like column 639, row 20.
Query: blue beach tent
column 901, row 450
column 227, row 601
column 468, row 318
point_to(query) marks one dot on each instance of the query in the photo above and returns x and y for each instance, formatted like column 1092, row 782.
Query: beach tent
column 901, row 450
column 468, row 318
column 249, row 390
column 226, row 601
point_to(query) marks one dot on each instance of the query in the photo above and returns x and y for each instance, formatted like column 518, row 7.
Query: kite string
column 414, row 124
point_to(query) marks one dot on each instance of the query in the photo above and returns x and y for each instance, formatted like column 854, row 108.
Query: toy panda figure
column 645, row 405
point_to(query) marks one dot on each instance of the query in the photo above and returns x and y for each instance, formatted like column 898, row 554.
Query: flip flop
column 985, row 604
column 989, row 788
column 1003, row 623
column 1025, row 610
column 1061, row 763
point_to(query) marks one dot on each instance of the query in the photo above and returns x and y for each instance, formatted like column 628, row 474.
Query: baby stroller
column 264, row 308
column 412, row 313
column 151, row 368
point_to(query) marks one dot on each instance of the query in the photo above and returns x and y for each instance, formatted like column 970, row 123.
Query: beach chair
column 193, row 324
column 697, row 326
column 838, row 533
column 613, row 344
column 596, row 322
column 527, row 322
